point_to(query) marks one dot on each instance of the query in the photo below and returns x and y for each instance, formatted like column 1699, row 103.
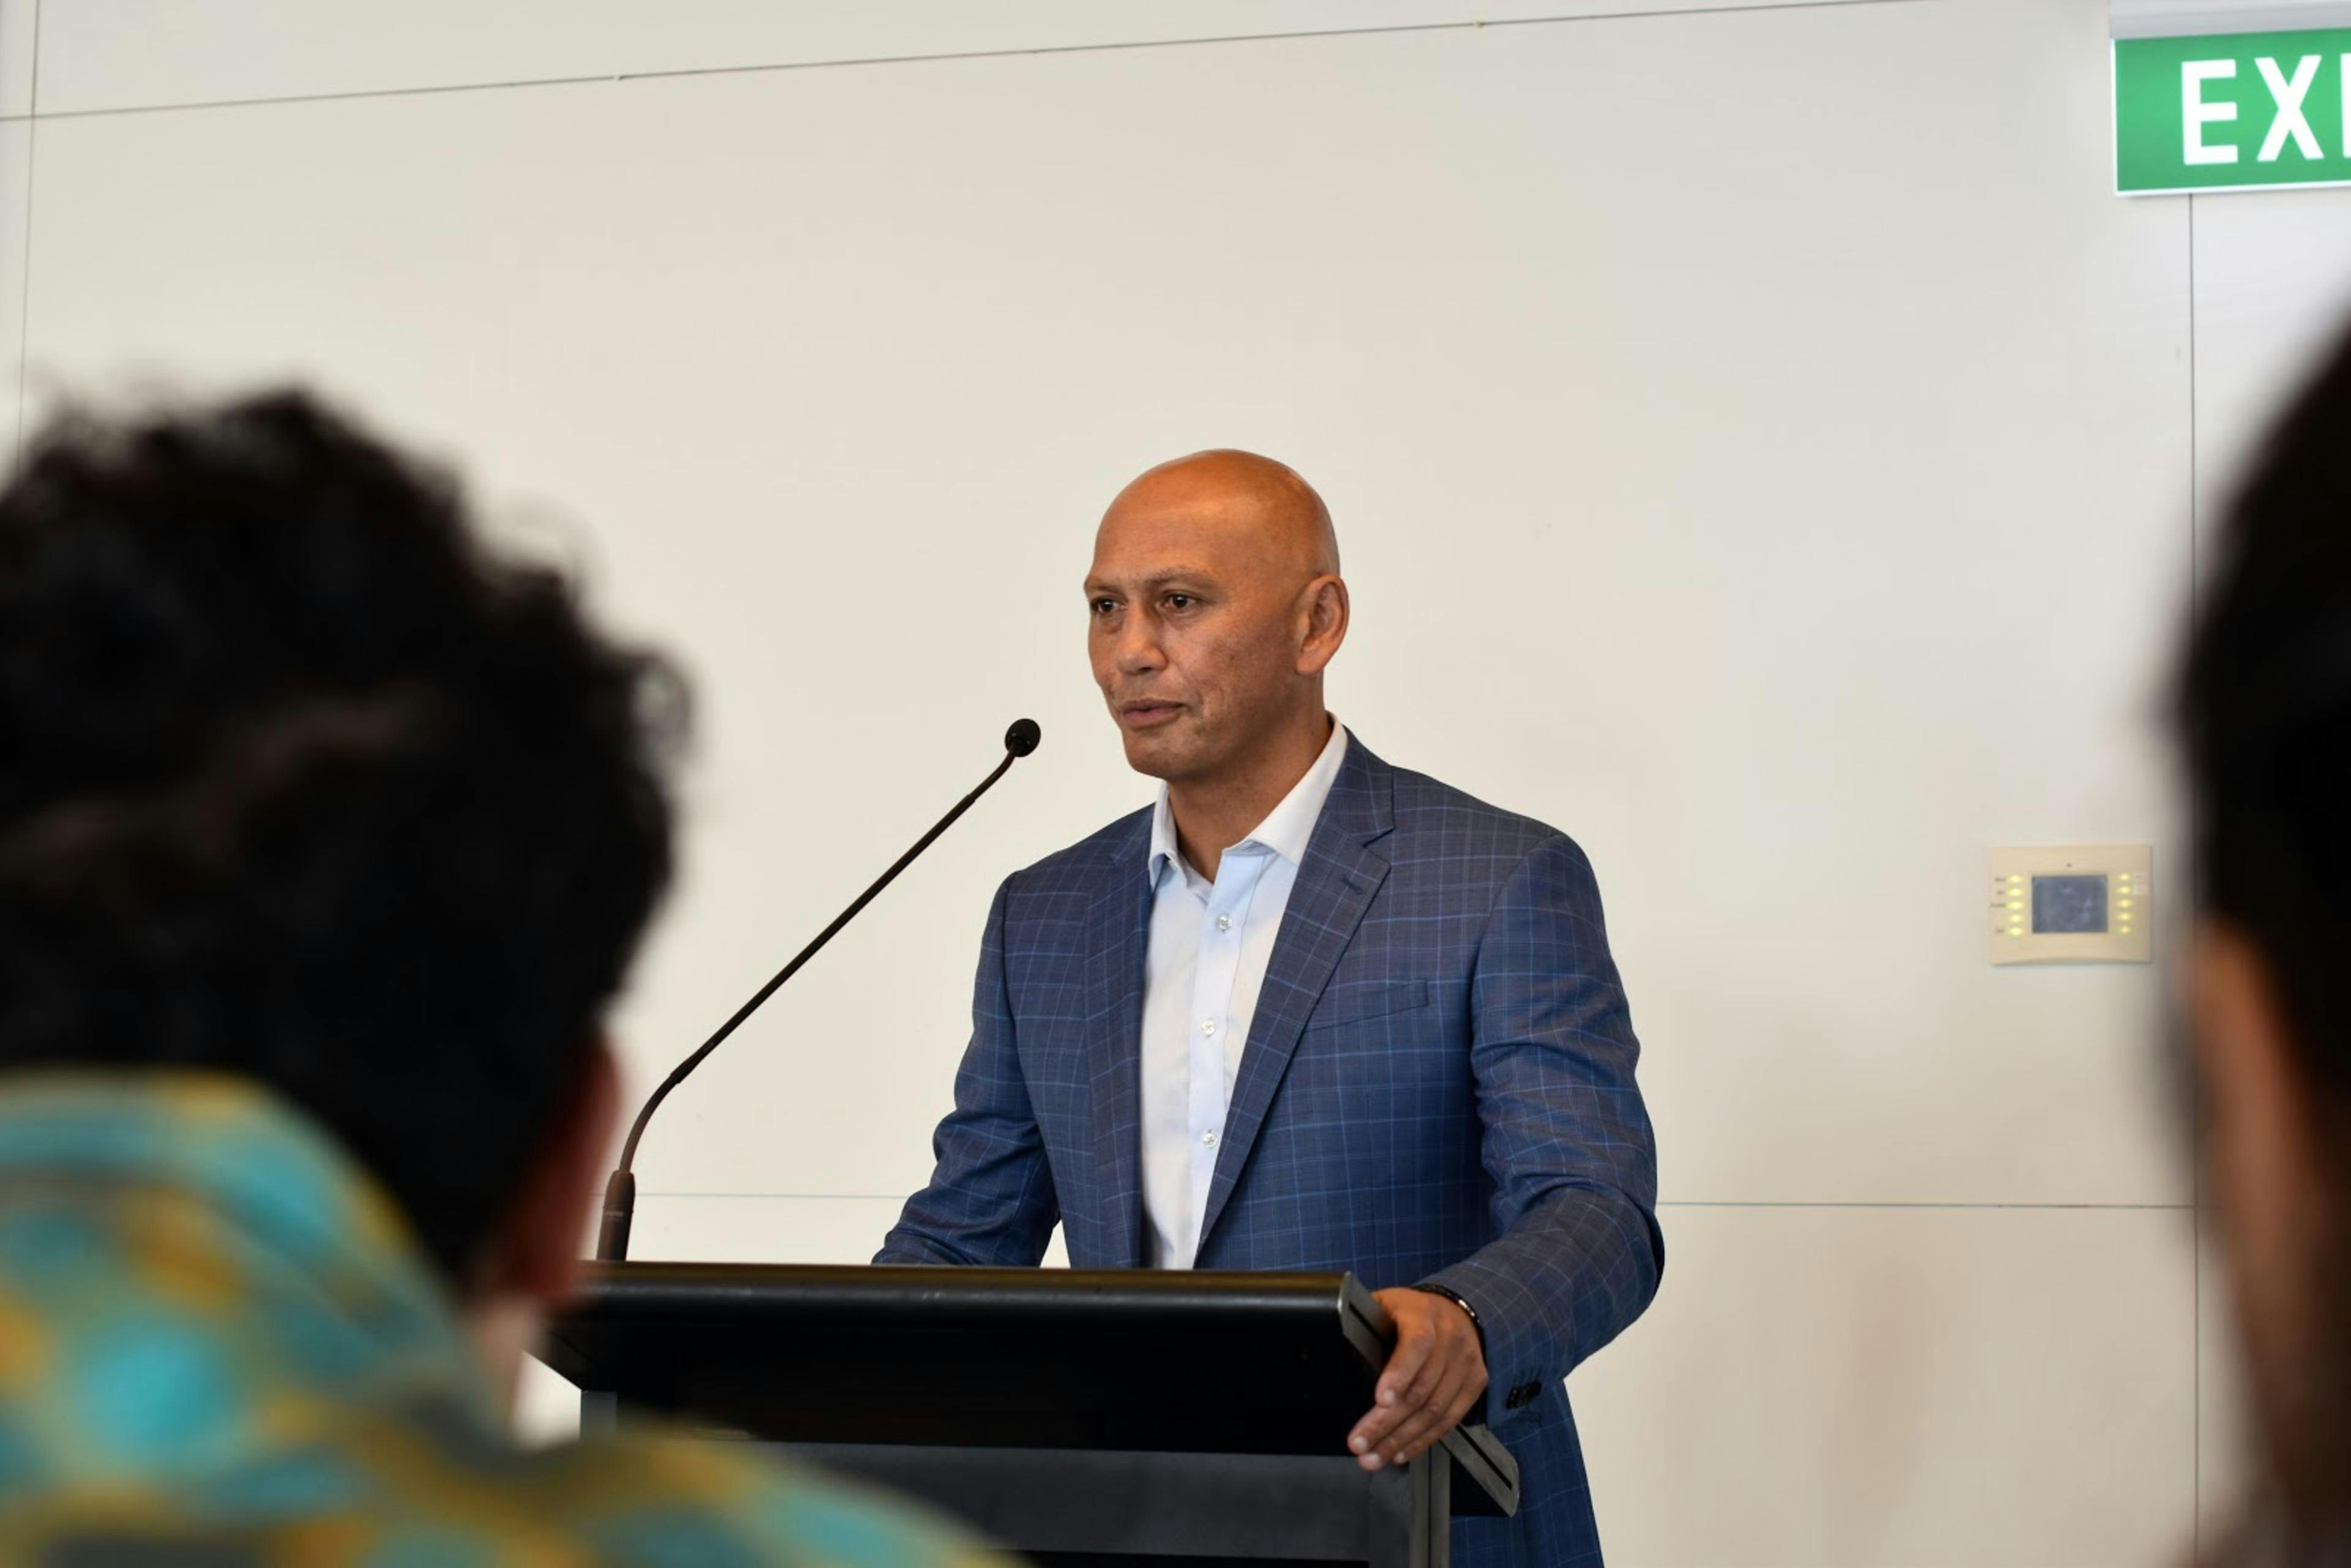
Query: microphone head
column 1022, row 738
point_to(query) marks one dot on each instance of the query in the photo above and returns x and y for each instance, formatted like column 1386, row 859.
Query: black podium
column 1075, row 1416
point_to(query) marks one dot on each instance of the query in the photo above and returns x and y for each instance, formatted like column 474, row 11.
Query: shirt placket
column 1223, row 926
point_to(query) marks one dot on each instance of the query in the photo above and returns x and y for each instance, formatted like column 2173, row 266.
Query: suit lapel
column 1342, row 871
column 1118, row 934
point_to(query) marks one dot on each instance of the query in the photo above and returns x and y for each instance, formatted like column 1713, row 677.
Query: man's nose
column 1137, row 649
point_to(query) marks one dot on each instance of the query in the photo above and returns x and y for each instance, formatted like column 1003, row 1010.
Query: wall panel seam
column 589, row 79
column 25, row 283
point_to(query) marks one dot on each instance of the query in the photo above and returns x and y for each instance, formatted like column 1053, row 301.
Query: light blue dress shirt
column 1209, row 946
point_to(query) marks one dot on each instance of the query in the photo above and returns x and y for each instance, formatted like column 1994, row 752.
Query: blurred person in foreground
column 326, row 838
column 2265, row 716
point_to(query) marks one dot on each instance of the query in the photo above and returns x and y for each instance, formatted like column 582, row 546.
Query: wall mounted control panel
column 2089, row 903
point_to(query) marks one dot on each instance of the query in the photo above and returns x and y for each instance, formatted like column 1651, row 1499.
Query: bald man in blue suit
column 1309, row 1011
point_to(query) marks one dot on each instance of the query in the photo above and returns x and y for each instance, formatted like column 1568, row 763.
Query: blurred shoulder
column 662, row 1501
column 399, row 1493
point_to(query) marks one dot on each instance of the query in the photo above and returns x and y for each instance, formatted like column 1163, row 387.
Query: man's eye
column 1179, row 600
column 1102, row 606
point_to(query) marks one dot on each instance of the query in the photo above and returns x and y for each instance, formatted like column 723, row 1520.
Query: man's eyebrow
column 1156, row 579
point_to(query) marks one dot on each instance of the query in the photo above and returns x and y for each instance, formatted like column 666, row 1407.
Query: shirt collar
column 1287, row 828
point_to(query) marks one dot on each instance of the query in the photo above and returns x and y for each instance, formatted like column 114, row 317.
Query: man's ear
column 537, row 1254
column 1325, row 604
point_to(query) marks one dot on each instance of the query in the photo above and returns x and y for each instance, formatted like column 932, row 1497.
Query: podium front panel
column 1277, row 1364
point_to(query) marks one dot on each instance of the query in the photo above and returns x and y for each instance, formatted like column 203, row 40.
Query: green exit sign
column 2242, row 110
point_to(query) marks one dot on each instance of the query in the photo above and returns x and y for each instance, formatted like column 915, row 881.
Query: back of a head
column 2265, row 717
column 301, row 783
column 2265, row 713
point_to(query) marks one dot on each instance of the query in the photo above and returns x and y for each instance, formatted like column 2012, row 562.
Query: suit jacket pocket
column 1358, row 1004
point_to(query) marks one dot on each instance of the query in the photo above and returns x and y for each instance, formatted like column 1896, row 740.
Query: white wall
column 1764, row 447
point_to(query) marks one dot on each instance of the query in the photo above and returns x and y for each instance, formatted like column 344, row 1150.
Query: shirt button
column 1207, row 1026
column 1224, row 922
column 1209, row 1139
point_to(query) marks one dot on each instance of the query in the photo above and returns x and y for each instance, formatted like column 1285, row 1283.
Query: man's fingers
column 1414, row 1354
column 1425, row 1421
column 1370, row 1434
column 1378, row 1426
column 1430, row 1421
column 1380, row 1431
column 1429, row 1381
column 1460, row 1398
column 1425, row 1383
column 1415, row 1437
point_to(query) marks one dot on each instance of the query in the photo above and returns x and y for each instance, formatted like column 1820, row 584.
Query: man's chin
column 1149, row 754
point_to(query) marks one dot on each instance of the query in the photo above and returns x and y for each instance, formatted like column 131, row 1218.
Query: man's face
column 1195, row 618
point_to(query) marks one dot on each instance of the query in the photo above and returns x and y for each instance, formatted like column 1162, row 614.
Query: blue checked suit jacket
column 1438, row 1087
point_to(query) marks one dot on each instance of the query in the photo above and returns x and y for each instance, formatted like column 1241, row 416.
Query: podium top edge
column 670, row 1289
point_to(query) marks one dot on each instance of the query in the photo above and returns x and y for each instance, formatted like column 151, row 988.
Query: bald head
column 1216, row 602
column 1231, row 491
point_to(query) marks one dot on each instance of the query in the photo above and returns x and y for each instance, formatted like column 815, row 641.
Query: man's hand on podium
column 1434, row 1376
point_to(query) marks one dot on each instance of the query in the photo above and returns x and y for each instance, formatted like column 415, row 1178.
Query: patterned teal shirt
column 219, row 1346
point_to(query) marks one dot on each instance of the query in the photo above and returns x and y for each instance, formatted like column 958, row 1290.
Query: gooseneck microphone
column 621, row 1191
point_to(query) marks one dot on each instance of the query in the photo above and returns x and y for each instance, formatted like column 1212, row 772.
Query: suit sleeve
column 1565, row 1137
column 990, row 1200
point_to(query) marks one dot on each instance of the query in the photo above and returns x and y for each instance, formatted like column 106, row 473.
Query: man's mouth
column 1147, row 714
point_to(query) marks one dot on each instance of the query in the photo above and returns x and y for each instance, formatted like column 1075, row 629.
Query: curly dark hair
column 300, row 782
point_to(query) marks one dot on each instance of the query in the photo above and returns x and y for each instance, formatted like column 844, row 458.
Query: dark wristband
column 1454, row 1296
